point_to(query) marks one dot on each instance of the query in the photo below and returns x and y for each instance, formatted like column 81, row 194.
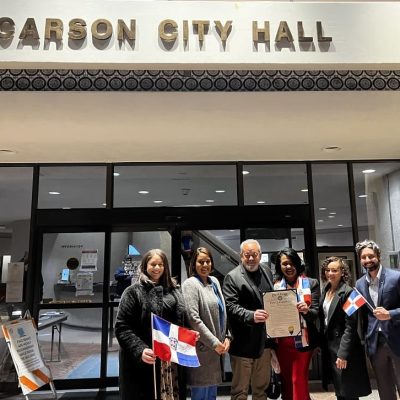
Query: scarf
column 303, row 290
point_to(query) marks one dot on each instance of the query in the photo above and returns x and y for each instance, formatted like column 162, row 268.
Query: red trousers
column 294, row 370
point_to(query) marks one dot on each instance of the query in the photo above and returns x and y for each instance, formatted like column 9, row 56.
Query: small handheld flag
column 174, row 343
column 353, row 302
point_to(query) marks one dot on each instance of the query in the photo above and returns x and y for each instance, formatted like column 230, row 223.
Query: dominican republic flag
column 174, row 343
column 304, row 290
column 353, row 302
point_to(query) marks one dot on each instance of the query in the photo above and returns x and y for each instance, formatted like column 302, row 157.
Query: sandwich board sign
column 21, row 338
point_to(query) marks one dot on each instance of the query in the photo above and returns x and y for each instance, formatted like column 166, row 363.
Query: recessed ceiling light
column 261, row 202
column 8, row 151
column 331, row 216
column 245, row 172
column 362, row 196
column 368, row 171
column 220, row 191
column 104, row 204
column 320, row 220
column 332, row 213
column 331, row 149
column 66, row 208
column 210, row 201
column 231, row 230
column 54, row 193
column 322, row 209
column 117, row 174
column 157, row 201
column 340, row 225
column 143, row 192
column 304, row 190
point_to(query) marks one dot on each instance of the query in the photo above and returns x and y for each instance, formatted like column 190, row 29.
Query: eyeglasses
column 248, row 255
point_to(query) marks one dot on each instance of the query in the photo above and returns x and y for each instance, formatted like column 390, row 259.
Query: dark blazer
column 133, row 331
column 389, row 298
column 242, row 298
column 339, row 338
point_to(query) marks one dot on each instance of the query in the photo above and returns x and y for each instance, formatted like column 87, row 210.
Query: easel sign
column 21, row 338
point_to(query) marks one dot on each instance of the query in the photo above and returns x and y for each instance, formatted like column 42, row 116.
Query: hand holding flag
column 174, row 343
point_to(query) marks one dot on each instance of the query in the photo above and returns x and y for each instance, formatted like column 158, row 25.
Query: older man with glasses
column 250, row 351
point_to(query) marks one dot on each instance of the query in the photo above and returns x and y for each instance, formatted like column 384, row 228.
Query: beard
column 372, row 267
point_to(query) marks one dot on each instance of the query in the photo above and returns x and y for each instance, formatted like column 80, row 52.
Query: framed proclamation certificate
column 284, row 318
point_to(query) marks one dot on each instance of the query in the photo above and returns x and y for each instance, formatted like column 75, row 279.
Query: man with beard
column 381, row 287
column 250, row 354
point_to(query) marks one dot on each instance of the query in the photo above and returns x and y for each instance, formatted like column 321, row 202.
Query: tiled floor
column 113, row 395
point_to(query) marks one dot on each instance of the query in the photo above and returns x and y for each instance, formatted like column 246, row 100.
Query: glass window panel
column 72, row 187
column 272, row 240
column 70, row 259
column 377, row 192
column 66, row 336
column 332, row 205
column 15, row 214
column 174, row 185
column 223, row 244
column 275, row 184
column 127, row 249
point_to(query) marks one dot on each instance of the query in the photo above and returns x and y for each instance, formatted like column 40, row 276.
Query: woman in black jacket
column 343, row 356
column 158, row 293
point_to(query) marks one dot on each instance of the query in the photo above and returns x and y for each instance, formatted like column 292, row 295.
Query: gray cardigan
column 203, row 316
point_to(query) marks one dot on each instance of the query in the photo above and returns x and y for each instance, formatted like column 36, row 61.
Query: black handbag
column 273, row 390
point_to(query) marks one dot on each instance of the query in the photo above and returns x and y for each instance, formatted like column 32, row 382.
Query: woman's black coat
column 133, row 331
column 339, row 338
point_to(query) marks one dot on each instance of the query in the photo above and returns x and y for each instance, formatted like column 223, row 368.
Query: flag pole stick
column 154, row 365
column 366, row 301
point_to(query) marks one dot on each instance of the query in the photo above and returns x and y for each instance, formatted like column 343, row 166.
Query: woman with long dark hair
column 158, row 293
column 294, row 353
column 207, row 315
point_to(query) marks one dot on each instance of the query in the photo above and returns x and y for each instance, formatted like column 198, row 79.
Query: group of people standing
column 233, row 319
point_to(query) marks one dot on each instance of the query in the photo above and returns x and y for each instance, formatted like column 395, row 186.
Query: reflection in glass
column 174, row 185
column 377, row 193
column 72, row 268
column 275, row 184
column 71, row 347
column 332, row 205
column 72, row 187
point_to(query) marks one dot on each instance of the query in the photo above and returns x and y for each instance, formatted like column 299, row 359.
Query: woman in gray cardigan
column 206, row 314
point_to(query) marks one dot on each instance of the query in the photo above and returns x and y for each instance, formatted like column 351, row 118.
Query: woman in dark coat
column 343, row 356
column 155, row 293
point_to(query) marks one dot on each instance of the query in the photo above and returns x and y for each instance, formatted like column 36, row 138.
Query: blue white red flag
column 174, row 343
column 304, row 290
column 353, row 302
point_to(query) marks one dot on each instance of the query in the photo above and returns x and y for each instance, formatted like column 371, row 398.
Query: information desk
column 54, row 320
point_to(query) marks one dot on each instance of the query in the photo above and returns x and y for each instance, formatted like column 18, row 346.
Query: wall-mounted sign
column 198, row 34
column 89, row 260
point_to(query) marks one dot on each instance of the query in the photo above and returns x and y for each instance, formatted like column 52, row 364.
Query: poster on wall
column 84, row 284
column 89, row 260
column 15, row 280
